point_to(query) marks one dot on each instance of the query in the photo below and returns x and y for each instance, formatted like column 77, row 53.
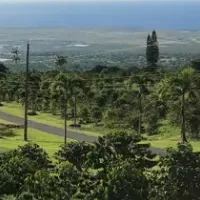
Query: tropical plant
column 16, row 56
column 60, row 61
column 180, row 88
column 178, row 175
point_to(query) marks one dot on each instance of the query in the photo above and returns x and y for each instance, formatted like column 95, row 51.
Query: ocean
column 171, row 15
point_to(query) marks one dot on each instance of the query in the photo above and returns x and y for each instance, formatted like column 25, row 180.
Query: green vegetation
column 152, row 51
column 101, row 100
column 112, row 48
column 116, row 166
column 143, row 105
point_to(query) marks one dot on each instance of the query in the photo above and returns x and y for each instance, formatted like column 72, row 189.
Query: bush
column 75, row 153
column 126, row 182
column 179, row 175
column 36, row 154
column 13, row 174
column 117, row 145
column 46, row 186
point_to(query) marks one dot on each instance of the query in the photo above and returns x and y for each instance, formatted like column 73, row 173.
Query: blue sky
column 15, row 1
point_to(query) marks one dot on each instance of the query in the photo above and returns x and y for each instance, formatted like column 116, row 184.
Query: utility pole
column 26, row 95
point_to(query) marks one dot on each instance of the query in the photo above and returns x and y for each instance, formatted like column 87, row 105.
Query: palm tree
column 181, row 88
column 76, row 86
column 15, row 53
column 60, row 91
column 141, row 80
column 60, row 60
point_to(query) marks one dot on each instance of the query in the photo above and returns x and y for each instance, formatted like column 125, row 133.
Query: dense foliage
column 122, row 100
column 114, row 167
column 138, row 100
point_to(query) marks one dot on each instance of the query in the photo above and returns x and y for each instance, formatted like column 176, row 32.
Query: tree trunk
column 183, row 131
column 65, row 122
column 140, row 112
column 75, row 109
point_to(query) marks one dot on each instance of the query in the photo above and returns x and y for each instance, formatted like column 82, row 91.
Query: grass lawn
column 2, row 121
column 51, row 143
column 169, row 136
column 49, row 119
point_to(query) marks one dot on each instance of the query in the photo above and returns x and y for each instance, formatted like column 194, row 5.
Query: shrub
column 75, row 153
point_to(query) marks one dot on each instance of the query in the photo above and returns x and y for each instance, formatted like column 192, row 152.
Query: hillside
column 87, row 48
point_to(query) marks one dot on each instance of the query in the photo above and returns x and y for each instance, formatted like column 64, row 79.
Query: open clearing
column 13, row 138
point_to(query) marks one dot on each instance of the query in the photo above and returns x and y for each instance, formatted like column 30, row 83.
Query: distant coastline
column 174, row 15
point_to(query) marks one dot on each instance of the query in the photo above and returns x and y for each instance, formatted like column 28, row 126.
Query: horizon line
column 92, row 1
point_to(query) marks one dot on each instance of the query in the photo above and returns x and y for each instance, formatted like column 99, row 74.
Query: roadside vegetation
column 113, row 167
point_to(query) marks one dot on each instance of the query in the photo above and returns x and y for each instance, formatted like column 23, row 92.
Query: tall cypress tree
column 148, row 50
column 152, row 51
column 155, row 47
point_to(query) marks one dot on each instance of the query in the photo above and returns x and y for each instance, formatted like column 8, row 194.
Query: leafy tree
column 13, row 174
column 118, row 145
column 76, row 87
column 178, row 175
column 180, row 88
column 33, row 90
column 8, row 197
column 126, row 182
column 96, row 114
column 26, row 196
column 85, row 115
column 142, row 81
column 46, row 185
column 36, row 154
column 69, row 177
column 60, row 90
column 75, row 153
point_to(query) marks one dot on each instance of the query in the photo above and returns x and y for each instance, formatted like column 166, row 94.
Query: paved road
column 47, row 128
column 59, row 131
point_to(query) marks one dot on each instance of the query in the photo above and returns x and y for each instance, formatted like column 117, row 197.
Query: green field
column 12, row 138
column 169, row 136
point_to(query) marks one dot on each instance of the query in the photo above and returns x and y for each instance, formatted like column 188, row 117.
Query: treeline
column 135, row 99
column 116, row 167
column 124, row 100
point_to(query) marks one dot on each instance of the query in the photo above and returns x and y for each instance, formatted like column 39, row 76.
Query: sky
column 17, row 1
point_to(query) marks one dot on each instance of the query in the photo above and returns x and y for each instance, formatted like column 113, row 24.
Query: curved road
column 59, row 131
